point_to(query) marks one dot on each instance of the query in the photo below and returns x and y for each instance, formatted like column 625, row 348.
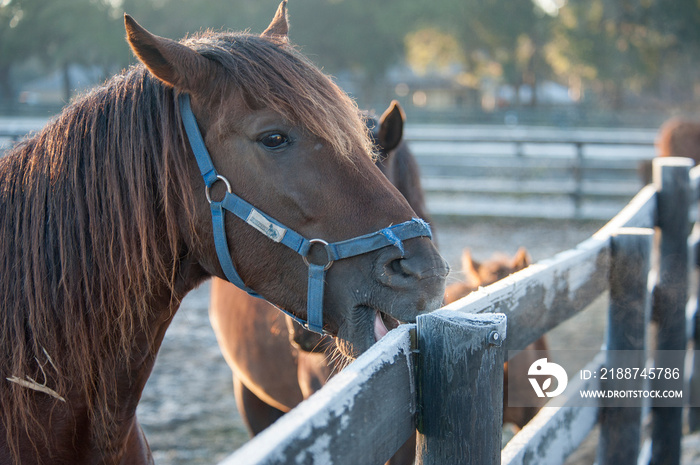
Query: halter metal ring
column 218, row 178
column 324, row 244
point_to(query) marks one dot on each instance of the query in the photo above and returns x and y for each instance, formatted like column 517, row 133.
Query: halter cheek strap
column 276, row 231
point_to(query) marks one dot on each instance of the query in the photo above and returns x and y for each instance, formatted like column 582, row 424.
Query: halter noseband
column 274, row 230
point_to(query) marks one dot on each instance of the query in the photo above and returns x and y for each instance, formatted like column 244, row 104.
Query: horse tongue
column 379, row 327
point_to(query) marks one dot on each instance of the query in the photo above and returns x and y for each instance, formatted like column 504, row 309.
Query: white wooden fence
column 529, row 172
column 443, row 376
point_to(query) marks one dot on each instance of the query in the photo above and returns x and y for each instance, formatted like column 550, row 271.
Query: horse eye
column 274, row 140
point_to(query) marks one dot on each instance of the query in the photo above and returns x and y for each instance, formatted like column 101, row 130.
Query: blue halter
column 275, row 231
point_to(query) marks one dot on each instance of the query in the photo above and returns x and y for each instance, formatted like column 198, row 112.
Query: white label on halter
column 265, row 226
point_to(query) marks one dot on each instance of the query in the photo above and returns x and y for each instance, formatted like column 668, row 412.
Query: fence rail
column 535, row 173
column 362, row 415
column 446, row 371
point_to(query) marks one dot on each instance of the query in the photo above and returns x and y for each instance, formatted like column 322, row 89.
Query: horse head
column 289, row 143
column 479, row 274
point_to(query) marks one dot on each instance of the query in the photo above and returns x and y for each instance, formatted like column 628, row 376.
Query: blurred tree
column 494, row 40
column 78, row 32
column 619, row 47
column 17, row 40
column 177, row 18
column 606, row 45
column 431, row 49
column 510, row 34
column 58, row 33
column 678, row 22
column 361, row 36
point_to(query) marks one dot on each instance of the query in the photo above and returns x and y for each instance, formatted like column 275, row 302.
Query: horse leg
column 256, row 414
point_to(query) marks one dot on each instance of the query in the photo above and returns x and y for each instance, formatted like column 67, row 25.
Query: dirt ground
column 188, row 410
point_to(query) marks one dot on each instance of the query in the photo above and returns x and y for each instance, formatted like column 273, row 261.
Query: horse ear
column 279, row 27
column 470, row 268
column 170, row 61
column 521, row 260
column 391, row 126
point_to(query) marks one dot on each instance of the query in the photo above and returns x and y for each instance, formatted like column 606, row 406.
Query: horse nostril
column 401, row 267
column 398, row 270
column 402, row 271
column 397, row 267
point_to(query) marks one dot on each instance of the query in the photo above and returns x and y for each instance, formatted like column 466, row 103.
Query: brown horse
column 479, row 274
column 105, row 225
column 677, row 137
column 277, row 363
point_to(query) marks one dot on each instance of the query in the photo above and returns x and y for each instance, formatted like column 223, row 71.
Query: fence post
column 628, row 318
column 694, row 412
column 672, row 182
column 460, row 388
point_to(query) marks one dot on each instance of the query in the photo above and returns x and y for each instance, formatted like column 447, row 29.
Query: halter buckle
column 218, row 178
column 325, row 247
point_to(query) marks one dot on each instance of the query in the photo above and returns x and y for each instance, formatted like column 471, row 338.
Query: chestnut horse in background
column 477, row 275
column 275, row 362
column 677, row 137
column 106, row 223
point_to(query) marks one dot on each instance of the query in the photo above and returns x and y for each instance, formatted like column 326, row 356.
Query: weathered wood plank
column 545, row 294
column 640, row 212
column 692, row 320
column 672, row 181
column 525, row 187
column 628, row 318
column 695, row 182
column 486, row 205
column 462, row 157
column 463, row 134
column 555, row 432
column 460, row 386
column 362, row 416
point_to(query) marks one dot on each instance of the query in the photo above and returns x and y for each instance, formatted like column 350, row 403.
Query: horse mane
column 408, row 180
column 89, row 234
column 91, row 229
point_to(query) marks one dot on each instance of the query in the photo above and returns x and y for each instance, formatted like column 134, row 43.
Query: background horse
column 677, row 138
column 477, row 275
column 275, row 362
column 105, row 227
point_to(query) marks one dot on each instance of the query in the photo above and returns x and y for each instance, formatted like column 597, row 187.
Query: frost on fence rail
column 363, row 415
